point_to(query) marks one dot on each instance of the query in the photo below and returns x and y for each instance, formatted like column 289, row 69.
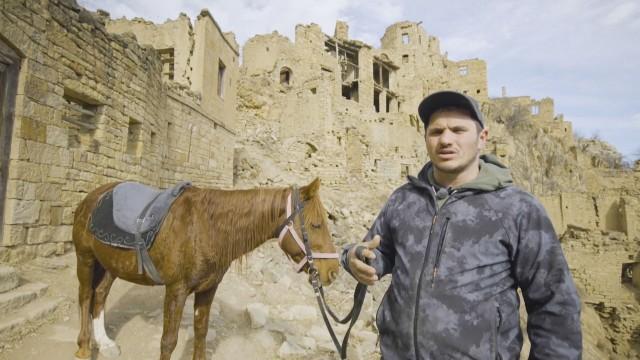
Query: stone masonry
column 93, row 107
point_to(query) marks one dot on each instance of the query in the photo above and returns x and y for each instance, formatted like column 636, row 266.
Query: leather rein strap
column 359, row 293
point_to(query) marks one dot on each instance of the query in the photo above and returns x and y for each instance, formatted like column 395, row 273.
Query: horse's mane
column 246, row 218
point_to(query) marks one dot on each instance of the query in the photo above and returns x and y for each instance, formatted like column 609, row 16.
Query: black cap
column 443, row 99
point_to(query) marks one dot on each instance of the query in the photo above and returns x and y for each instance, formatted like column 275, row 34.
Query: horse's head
column 305, row 204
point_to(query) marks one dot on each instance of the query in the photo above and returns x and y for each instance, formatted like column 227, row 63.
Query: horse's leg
column 201, row 307
column 108, row 347
column 174, row 299
column 85, row 268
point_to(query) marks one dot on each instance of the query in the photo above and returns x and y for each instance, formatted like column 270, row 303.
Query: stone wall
column 604, row 212
column 92, row 108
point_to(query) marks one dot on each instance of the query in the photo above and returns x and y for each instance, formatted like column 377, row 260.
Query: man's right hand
column 359, row 269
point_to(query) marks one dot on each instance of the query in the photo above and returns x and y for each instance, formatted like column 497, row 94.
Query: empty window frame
column 350, row 91
column 376, row 73
column 405, row 59
column 463, row 70
column 134, row 138
column 167, row 59
column 535, row 109
column 222, row 69
column 405, row 38
column 83, row 117
column 385, row 77
column 285, row 76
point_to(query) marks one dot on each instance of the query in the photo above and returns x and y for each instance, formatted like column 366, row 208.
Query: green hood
column 493, row 175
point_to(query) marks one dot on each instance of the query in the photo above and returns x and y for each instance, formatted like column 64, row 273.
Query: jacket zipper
column 439, row 253
column 424, row 265
column 497, row 333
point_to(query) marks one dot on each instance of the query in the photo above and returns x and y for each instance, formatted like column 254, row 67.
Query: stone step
column 18, row 297
column 8, row 278
column 28, row 317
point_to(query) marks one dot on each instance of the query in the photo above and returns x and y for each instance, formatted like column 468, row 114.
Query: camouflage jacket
column 455, row 271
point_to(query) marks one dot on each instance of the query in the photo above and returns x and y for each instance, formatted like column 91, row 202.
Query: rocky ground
column 263, row 310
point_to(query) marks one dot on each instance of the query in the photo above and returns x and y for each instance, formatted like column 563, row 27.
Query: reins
column 359, row 293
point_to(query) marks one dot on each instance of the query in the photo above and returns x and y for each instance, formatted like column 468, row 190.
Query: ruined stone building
column 351, row 105
column 82, row 106
column 87, row 100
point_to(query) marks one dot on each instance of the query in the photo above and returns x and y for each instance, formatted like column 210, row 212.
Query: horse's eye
column 316, row 226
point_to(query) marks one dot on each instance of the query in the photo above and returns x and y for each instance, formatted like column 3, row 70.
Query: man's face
column 454, row 141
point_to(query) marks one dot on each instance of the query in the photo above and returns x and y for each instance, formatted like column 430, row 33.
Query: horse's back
column 82, row 214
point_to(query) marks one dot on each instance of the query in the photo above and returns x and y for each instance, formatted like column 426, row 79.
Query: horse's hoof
column 83, row 354
column 110, row 351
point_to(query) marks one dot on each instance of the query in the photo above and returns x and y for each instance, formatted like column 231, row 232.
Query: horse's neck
column 245, row 219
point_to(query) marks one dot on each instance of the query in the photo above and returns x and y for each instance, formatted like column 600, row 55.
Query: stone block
column 56, row 215
column 67, row 215
column 45, row 213
column 46, row 250
column 258, row 314
column 26, row 171
column 57, row 136
column 39, row 235
column 57, row 174
column 22, row 211
column 62, row 233
column 13, row 235
column 32, row 129
column 48, row 191
column 8, row 278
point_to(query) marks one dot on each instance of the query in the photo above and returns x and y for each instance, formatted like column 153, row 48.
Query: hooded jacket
column 456, row 267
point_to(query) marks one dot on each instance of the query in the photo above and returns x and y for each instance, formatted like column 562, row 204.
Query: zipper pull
column 433, row 278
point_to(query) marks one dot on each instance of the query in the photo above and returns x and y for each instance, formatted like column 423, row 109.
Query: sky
column 581, row 53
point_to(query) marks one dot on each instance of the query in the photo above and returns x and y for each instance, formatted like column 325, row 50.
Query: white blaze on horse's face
column 323, row 253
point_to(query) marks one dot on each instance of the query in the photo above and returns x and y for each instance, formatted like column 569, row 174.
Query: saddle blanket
column 129, row 209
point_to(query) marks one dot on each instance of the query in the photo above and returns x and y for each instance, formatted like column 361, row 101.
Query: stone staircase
column 23, row 306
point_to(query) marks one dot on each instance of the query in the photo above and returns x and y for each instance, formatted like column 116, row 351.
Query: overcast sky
column 582, row 53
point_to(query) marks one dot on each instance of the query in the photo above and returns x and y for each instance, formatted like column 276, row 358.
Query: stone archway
column 9, row 70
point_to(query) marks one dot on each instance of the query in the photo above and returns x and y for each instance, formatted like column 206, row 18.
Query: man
column 459, row 240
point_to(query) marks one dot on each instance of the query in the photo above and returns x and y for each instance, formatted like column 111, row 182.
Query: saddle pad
column 104, row 228
column 130, row 199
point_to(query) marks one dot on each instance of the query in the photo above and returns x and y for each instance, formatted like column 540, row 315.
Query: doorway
column 9, row 70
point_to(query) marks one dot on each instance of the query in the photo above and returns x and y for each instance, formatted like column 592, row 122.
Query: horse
column 204, row 231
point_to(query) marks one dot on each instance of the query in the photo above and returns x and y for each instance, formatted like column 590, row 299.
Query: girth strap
column 142, row 255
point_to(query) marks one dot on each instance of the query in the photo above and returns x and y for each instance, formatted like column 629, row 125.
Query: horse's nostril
column 333, row 275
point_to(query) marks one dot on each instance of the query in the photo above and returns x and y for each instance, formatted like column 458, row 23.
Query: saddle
column 130, row 216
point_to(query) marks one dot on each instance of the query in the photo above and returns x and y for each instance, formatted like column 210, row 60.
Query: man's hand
column 359, row 269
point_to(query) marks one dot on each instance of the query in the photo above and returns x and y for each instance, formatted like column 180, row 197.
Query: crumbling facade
column 86, row 107
column 359, row 104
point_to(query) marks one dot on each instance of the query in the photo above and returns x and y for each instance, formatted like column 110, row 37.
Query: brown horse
column 205, row 230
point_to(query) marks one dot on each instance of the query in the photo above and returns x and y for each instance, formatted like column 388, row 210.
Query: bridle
column 294, row 201
column 303, row 243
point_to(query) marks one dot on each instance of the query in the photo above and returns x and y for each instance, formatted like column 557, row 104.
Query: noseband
column 294, row 201
column 303, row 243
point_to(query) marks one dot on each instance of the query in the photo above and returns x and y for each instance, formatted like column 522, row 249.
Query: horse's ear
column 311, row 190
